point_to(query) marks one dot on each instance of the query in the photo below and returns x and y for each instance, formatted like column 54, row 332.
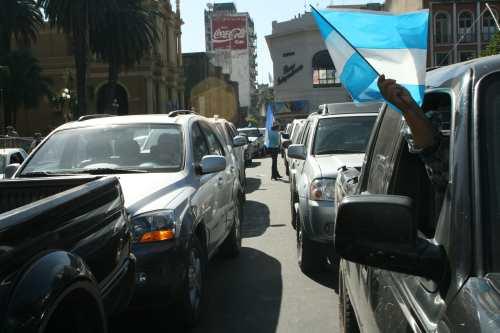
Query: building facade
column 304, row 74
column 231, row 44
column 156, row 85
column 458, row 29
column 209, row 91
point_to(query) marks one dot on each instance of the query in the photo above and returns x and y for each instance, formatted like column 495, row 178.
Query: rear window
column 343, row 135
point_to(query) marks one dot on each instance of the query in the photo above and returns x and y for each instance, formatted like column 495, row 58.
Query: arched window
column 466, row 27
column 324, row 73
column 488, row 27
column 442, row 28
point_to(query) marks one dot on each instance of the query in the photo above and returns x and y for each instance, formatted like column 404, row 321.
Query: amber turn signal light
column 157, row 236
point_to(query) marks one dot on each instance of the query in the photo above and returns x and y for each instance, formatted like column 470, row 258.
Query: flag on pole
column 366, row 44
column 269, row 123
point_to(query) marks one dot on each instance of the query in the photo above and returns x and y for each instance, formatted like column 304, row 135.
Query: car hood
column 329, row 164
column 151, row 191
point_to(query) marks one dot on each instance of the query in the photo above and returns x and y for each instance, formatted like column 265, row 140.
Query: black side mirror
column 285, row 136
column 380, row 231
column 10, row 170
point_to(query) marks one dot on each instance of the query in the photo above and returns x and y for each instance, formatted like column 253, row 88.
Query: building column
column 162, row 108
column 478, row 29
column 454, row 33
column 149, row 95
column 431, row 36
column 173, row 45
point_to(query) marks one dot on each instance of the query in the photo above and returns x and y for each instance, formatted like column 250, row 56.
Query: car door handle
column 220, row 181
column 232, row 169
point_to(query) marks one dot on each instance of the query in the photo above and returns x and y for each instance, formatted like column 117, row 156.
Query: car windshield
column 253, row 133
column 136, row 147
column 343, row 135
column 3, row 164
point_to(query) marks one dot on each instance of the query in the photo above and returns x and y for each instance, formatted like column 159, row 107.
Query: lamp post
column 65, row 96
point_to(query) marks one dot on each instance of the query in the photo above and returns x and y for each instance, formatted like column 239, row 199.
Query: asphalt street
column 263, row 290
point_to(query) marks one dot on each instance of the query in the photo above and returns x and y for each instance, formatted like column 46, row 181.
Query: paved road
column 263, row 290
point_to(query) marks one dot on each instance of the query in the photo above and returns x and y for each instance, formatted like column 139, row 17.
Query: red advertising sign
column 229, row 32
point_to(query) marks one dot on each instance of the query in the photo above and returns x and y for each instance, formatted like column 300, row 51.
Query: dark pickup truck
column 65, row 262
column 414, row 261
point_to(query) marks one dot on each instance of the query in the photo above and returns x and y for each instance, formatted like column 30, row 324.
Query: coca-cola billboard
column 229, row 32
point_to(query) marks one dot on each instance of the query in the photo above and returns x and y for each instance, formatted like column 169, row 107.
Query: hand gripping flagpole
column 347, row 41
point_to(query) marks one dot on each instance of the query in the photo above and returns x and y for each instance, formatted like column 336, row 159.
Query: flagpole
column 348, row 42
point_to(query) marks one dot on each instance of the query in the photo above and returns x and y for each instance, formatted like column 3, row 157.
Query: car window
column 489, row 143
column 308, row 136
column 214, row 145
column 304, row 133
column 381, row 164
column 110, row 147
column 199, row 142
column 222, row 132
column 342, row 135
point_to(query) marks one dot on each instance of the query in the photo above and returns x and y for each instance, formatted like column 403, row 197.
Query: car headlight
column 154, row 226
column 322, row 189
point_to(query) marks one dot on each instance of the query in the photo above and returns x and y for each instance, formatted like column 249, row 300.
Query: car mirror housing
column 297, row 151
column 381, row 231
column 10, row 170
column 212, row 164
column 239, row 141
column 285, row 136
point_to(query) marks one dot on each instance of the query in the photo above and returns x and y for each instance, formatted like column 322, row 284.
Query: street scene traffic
column 245, row 167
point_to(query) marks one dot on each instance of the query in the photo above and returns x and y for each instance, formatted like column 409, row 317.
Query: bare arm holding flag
column 423, row 137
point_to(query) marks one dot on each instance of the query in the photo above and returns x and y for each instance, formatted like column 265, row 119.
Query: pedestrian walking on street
column 273, row 148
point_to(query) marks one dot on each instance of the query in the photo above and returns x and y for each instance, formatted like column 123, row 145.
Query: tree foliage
column 493, row 46
column 124, row 37
column 20, row 19
column 23, row 83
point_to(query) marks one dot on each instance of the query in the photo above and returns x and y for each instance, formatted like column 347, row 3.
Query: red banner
column 229, row 32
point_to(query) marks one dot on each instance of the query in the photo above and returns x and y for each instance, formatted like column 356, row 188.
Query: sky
column 263, row 13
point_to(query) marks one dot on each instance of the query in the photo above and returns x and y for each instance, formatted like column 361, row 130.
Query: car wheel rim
column 194, row 279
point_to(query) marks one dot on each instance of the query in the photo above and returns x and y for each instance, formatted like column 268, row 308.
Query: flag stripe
column 402, row 31
column 398, row 63
column 339, row 50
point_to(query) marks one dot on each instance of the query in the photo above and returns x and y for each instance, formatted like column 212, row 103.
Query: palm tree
column 23, row 84
column 125, row 37
column 19, row 19
column 78, row 18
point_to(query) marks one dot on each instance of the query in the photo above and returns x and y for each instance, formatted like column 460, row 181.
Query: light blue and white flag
column 269, row 123
column 366, row 44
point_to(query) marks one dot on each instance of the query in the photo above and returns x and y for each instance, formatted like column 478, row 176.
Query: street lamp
column 65, row 96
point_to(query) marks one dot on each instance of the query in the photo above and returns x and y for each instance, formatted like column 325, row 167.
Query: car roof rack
column 180, row 113
column 94, row 116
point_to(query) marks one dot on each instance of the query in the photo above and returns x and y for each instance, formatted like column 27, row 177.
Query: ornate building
column 156, row 85
column 458, row 29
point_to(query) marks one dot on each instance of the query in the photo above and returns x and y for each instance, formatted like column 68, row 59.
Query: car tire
column 309, row 254
column 193, row 290
column 347, row 318
column 232, row 244
column 292, row 210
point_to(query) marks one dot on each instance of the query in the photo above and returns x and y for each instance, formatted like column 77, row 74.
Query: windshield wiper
column 104, row 171
column 339, row 151
column 44, row 174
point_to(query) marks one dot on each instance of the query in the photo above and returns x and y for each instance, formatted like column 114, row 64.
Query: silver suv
column 180, row 189
column 328, row 143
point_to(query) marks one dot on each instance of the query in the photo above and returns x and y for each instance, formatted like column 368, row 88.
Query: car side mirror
column 297, row 151
column 212, row 164
column 285, row 136
column 239, row 141
column 10, row 170
column 381, row 231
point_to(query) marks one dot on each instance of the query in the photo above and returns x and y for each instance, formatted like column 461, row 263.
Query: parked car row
column 163, row 194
